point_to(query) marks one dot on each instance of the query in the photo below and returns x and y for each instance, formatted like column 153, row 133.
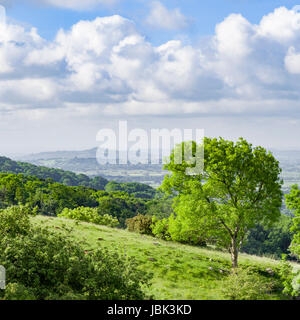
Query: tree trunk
column 234, row 253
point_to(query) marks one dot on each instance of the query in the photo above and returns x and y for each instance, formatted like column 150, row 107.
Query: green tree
column 293, row 203
column 67, row 177
column 273, row 241
column 139, row 190
column 239, row 187
column 120, row 205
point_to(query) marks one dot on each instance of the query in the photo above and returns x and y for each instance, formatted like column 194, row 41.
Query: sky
column 69, row 68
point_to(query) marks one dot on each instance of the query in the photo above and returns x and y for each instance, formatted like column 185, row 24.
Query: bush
column 42, row 264
column 16, row 291
column 89, row 215
column 186, row 230
column 140, row 224
column 290, row 279
column 245, row 284
column 15, row 220
column 160, row 228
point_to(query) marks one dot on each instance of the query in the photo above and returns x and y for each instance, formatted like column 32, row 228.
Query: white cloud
column 233, row 37
column 161, row 17
column 282, row 25
column 292, row 61
column 106, row 67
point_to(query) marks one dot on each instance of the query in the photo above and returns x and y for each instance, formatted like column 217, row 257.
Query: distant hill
column 85, row 162
column 70, row 178
column 152, row 174
column 83, row 154
column 66, row 177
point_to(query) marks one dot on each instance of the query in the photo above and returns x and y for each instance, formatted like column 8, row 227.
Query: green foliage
column 239, row 187
column 140, row 224
column 246, row 284
column 293, row 203
column 179, row 230
column 42, row 264
column 120, row 205
column 184, row 228
column 273, row 241
column 17, row 291
column 15, row 220
column 139, row 190
column 89, row 215
column 161, row 207
column 49, row 197
column 160, row 228
column 290, row 279
column 66, row 177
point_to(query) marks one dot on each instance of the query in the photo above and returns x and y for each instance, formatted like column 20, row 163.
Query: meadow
column 180, row 272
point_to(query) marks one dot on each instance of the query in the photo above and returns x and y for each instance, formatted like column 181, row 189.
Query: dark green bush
column 140, row 224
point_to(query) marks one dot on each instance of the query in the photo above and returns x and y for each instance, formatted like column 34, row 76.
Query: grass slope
column 180, row 271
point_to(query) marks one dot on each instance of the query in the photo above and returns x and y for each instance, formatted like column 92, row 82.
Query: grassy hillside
column 180, row 271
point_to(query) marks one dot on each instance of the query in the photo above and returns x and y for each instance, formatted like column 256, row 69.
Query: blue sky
column 203, row 15
column 229, row 67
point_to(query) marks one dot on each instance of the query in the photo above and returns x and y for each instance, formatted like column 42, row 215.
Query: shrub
column 245, row 284
column 15, row 220
column 16, row 291
column 160, row 228
column 290, row 279
column 43, row 264
column 186, row 231
column 140, row 224
column 89, row 215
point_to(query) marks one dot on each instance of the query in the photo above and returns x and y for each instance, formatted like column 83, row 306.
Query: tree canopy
column 239, row 186
column 66, row 177
column 293, row 203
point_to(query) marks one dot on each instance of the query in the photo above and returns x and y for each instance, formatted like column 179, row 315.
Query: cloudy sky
column 69, row 68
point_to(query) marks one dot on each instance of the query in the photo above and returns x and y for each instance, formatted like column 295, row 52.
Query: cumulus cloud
column 161, row 17
column 106, row 67
column 282, row 25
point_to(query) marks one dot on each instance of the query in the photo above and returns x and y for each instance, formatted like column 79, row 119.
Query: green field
column 180, row 272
